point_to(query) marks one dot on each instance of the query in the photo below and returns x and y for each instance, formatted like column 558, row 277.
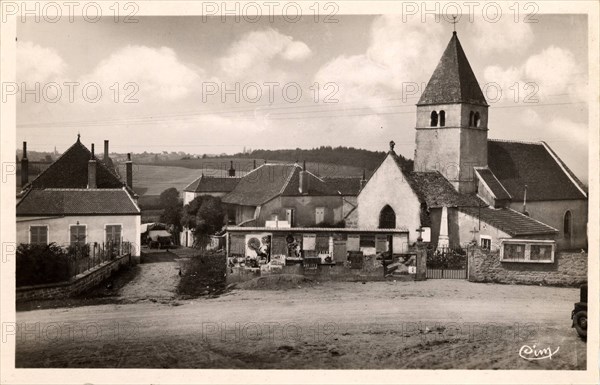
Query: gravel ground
column 434, row 324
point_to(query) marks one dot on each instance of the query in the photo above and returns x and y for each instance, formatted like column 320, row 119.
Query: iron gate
column 447, row 263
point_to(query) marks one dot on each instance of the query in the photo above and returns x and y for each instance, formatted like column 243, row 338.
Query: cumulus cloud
column 515, row 37
column 158, row 72
column 253, row 52
column 394, row 59
column 553, row 72
column 38, row 64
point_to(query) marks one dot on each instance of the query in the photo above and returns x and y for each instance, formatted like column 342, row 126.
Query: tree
column 169, row 198
column 204, row 216
column 172, row 210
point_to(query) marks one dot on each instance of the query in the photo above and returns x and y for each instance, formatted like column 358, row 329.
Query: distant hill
column 341, row 156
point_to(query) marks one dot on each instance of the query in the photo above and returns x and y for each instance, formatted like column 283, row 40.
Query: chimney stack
column 106, row 152
column 24, row 166
column 304, row 184
column 363, row 181
column 231, row 170
column 92, row 170
column 129, row 171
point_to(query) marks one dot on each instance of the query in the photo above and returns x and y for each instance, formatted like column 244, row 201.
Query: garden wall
column 568, row 269
column 76, row 285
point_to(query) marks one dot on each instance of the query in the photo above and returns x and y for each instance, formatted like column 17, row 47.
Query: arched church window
column 476, row 120
column 567, row 224
column 387, row 218
column 434, row 119
column 442, row 118
column 471, row 117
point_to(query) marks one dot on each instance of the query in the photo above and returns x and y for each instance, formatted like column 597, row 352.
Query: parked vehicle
column 579, row 313
column 155, row 235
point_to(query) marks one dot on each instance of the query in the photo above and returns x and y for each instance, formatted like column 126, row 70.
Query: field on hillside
column 219, row 166
column 152, row 180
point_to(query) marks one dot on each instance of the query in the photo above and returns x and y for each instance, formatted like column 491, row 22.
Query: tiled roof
column 70, row 170
column 271, row 180
column 316, row 186
column 435, row 191
column 510, row 221
column 38, row 202
column 213, row 184
column 517, row 164
column 488, row 177
column 348, row 186
column 261, row 185
column 453, row 80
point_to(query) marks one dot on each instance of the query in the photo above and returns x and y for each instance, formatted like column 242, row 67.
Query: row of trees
column 204, row 215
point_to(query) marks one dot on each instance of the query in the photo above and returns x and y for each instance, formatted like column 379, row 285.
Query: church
column 466, row 188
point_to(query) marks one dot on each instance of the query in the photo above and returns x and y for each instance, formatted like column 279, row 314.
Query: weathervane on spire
column 454, row 22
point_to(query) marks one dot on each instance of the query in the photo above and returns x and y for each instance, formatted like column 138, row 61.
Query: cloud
column 551, row 73
column 253, row 52
column 158, row 72
column 394, row 58
column 515, row 37
column 38, row 64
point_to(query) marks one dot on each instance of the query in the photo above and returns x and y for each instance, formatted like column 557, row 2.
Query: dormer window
column 434, row 119
column 477, row 119
column 442, row 118
column 471, row 118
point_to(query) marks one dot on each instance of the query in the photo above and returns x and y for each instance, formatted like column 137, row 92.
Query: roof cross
column 454, row 22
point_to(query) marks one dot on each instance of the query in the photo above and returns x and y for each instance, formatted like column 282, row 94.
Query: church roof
column 494, row 185
column 453, row 80
column 434, row 190
column 510, row 221
column 70, row 170
column 207, row 184
column 516, row 164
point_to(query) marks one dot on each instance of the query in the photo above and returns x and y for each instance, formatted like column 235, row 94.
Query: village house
column 468, row 189
column 79, row 199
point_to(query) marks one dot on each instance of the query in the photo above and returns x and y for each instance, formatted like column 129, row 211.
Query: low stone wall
column 568, row 269
column 76, row 285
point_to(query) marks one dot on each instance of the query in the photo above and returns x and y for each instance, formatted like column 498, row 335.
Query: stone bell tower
column 452, row 121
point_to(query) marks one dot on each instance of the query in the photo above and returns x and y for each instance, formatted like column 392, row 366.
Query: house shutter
column 113, row 233
column 39, row 235
column 78, row 235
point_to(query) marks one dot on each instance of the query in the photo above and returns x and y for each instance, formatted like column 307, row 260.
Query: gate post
column 421, row 274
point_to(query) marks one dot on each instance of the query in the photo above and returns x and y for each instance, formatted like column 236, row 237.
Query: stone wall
column 568, row 269
column 76, row 285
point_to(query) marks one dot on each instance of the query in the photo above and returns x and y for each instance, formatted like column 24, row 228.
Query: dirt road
column 431, row 324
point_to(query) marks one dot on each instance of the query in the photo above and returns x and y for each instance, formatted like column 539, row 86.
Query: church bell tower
column 452, row 121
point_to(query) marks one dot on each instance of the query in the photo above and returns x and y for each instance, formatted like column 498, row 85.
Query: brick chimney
column 231, row 170
column 129, row 171
column 92, row 170
column 24, row 166
column 304, row 184
column 105, row 152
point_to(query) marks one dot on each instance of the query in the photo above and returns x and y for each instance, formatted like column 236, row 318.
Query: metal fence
column 447, row 263
column 87, row 256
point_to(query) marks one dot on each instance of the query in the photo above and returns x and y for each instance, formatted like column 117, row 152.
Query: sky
column 171, row 83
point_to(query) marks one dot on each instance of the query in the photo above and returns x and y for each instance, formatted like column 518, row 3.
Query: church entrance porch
column 447, row 263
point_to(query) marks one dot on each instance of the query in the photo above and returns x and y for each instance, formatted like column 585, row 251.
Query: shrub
column 41, row 264
column 203, row 274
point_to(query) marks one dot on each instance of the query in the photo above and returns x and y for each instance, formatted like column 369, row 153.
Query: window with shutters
column 38, row 235
column 78, row 234
column 113, row 234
